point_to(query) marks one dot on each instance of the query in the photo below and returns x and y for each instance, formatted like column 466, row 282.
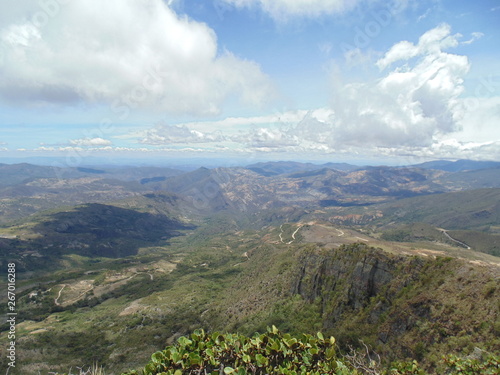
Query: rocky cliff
column 403, row 306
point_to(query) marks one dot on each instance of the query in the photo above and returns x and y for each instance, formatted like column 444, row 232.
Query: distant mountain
column 34, row 195
column 141, row 173
column 14, row 174
column 244, row 189
column 202, row 188
column 28, row 189
column 472, row 179
column 341, row 166
column 268, row 169
column 458, row 166
column 276, row 168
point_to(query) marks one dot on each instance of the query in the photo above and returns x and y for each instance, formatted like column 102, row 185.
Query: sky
column 363, row 81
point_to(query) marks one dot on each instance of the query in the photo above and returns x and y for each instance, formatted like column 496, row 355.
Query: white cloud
column 268, row 138
column 425, row 15
column 432, row 42
column 474, row 36
column 282, row 9
column 171, row 134
column 416, row 109
column 409, row 106
column 225, row 127
column 453, row 149
column 90, row 142
column 127, row 53
column 479, row 120
column 231, row 123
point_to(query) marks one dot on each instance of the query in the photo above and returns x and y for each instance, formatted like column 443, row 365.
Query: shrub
column 269, row 353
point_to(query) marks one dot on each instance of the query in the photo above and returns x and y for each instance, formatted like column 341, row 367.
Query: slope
column 404, row 306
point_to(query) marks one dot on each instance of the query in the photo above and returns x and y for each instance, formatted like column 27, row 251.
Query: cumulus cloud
column 416, row 108
column 411, row 104
column 127, row 53
column 449, row 149
column 229, row 123
column 171, row 134
column 217, row 130
column 432, row 42
column 268, row 138
column 90, row 142
column 80, row 152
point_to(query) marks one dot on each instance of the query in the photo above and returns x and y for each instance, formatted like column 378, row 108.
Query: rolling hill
column 114, row 269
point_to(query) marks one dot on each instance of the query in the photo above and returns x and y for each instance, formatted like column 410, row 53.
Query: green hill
column 472, row 209
column 118, row 312
column 91, row 230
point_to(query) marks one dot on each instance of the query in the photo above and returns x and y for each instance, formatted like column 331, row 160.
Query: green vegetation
column 414, row 232
column 269, row 353
column 243, row 281
column 93, row 230
column 277, row 353
column 112, row 283
column 479, row 241
column 465, row 210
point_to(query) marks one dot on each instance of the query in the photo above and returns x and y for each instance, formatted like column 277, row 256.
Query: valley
column 113, row 265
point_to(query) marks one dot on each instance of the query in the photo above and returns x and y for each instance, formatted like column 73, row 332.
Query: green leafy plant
column 268, row 353
column 471, row 366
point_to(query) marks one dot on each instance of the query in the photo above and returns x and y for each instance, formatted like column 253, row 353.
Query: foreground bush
column 269, row 353
column 277, row 353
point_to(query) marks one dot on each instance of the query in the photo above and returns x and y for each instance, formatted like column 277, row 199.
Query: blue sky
column 364, row 81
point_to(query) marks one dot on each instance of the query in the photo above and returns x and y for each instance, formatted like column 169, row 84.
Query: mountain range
column 115, row 263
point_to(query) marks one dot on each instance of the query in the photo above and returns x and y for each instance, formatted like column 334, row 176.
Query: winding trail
column 294, row 233
column 82, row 294
column 56, row 300
column 451, row 238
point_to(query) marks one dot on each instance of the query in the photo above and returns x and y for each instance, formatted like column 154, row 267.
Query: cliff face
column 403, row 306
column 347, row 279
column 358, row 271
